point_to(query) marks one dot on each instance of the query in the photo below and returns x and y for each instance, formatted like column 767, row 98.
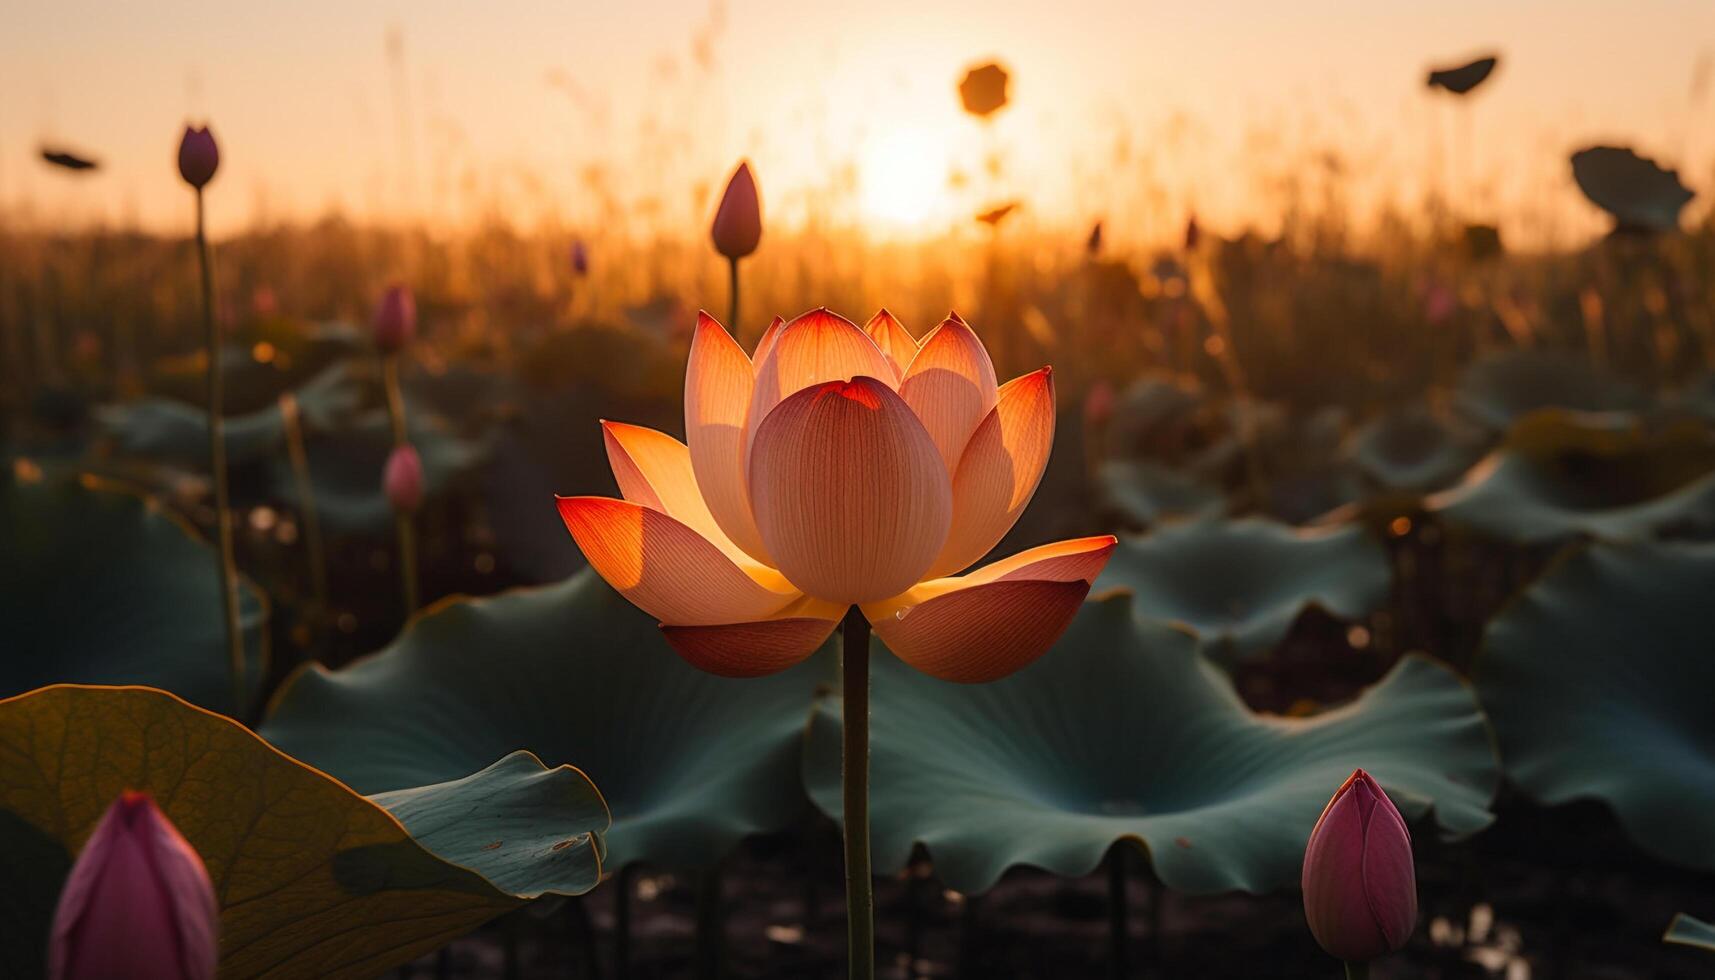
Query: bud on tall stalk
column 1360, row 885
column 737, row 229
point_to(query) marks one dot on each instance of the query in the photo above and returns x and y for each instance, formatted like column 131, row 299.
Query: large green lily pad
column 346, row 465
column 689, row 762
column 312, row 879
column 1559, row 475
column 1240, row 584
column 101, row 585
column 1149, row 492
column 1124, row 732
column 1598, row 680
column 170, row 430
column 1502, row 388
column 1415, row 449
column 1687, row 931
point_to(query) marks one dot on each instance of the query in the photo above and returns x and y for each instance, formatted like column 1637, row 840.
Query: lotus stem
column 711, row 938
column 401, row 520
column 622, row 923
column 300, row 460
column 1357, row 971
column 1118, row 915
column 226, row 568
column 860, row 925
column 732, row 297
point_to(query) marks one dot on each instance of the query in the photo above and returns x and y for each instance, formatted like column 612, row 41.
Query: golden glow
column 902, row 175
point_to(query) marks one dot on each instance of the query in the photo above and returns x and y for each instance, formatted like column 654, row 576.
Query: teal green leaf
column 1560, row 475
column 1149, row 492
column 168, row 430
column 1240, row 584
column 102, row 585
column 1686, row 931
column 346, row 466
column 1598, row 681
column 689, row 762
column 1500, row 389
column 312, row 879
column 1124, row 732
column 1415, row 450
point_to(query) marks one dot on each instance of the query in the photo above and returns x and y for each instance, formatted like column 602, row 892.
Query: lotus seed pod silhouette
column 840, row 467
column 199, row 157
column 138, row 904
column 737, row 227
column 984, row 90
column 1360, row 885
column 395, row 319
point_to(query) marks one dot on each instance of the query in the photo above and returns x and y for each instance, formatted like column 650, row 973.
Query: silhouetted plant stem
column 622, row 923
column 1119, row 933
column 732, row 297
column 711, row 938
column 227, row 568
column 300, row 460
column 401, row 519
column 860, row 903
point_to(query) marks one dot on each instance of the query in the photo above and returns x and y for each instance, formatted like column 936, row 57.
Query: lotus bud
column 199, row 157
column 402, row 480
column 580, row 258
column 1099, row 404
column 1093, row 245
column 1360, row 886
column 1193, row 234
column 738, row 223
column 138, row 903
column 395, row 319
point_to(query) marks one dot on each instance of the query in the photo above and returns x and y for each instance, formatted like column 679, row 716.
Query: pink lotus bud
column 1099, row 404
column 1360, row 886
column 738, row 222
column 137, row 904
column 395, row 319
column 403, row 480
column 198, row 156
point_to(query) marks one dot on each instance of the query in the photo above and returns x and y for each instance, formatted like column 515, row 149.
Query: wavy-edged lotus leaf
column 1597, row 679
column 1152, row 410
column 1240, row 584
column 1561, row 474
column 169, row 430
column 1642, row 195
column 302, row 352
column 1503, row 388
column 1461, row 79
column 103, row 585
column 345, row 468
column 1415, row 449
column 312, row 879
column 689, row 762
column 1124, row 731
column 1687, row 931
column 1149, row 492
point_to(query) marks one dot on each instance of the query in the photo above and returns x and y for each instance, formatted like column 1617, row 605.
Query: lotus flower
column 137, row 905
column 402, row 479
column 395, row 319
column 199, row 157
column 737, row 228
column 1360, row 886
column 840, row 466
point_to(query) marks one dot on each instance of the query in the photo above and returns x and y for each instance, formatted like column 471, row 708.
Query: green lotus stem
column 1118, row 914
column 1357, row 971
column 860, row 925
column 226, row 567
column 732, row 297
column 300, row 460
column 401, row 521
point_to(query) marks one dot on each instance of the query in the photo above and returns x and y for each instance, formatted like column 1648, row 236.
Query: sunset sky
column 1134, row 111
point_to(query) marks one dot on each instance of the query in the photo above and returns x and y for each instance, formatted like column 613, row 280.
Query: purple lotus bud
column 1360, row 886
column 138, row 903
column 738, row 223
column 402, row 480
column 395, row 319
column 199, row 158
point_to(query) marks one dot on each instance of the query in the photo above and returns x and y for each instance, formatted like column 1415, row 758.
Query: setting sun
column 902, row 174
